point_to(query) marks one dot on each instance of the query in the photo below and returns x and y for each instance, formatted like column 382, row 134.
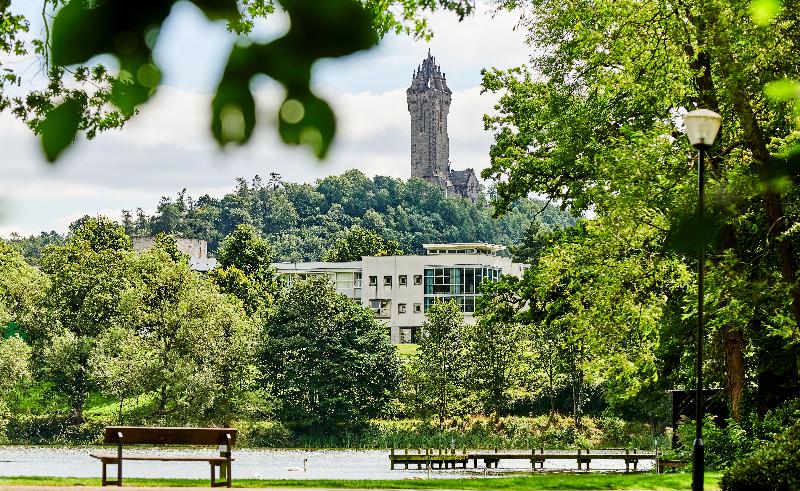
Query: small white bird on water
column 305, row 461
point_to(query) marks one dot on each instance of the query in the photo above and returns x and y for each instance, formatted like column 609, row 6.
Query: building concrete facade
column 401, row 289
column 429, row 100
column 196, row 249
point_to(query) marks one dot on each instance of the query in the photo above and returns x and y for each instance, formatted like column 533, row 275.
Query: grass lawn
column 406, row 351
column 537, row 482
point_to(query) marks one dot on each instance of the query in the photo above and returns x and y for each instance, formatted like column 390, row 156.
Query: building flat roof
column 466, row 245
column 316, row 266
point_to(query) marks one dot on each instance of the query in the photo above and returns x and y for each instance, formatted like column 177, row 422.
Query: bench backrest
column 169, row 436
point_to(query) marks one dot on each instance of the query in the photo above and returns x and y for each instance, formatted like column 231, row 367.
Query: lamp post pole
column 702, row 127
column 698, row 465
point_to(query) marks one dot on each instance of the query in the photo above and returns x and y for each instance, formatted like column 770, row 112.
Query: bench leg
column 105, row 481
column 213, row 475
column 229, row 473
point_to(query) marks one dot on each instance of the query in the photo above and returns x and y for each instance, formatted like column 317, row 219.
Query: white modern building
column 195, row 249
column 400, row 289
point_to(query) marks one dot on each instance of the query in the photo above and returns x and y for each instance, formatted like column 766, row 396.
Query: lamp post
column 702, row 127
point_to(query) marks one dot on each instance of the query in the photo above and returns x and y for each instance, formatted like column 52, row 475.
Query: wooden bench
column 133, row 435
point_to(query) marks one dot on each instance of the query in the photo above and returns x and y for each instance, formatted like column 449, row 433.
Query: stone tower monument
column 429, row 103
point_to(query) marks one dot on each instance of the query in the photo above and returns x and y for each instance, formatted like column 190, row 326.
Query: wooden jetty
column 429, row 459
column 432, row 458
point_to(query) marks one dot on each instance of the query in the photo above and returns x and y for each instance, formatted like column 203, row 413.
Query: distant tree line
column 303, row 221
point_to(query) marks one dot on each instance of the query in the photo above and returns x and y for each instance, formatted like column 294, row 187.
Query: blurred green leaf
column 763, row 11
column 778, row 170
column 304, row 119
column 783, row 90
column 688, row 232
column 126, row 30
column 59, row 128
column 314, row 125
column 121, row 28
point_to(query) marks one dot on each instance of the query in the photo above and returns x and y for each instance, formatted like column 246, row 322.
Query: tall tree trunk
column 733, row 337
column 773, row 205
column 733, row 343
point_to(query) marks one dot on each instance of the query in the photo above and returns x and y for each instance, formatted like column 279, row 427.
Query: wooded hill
column 302, row 221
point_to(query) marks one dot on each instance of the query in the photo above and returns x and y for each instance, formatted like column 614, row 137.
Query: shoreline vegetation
column 474, row 432
column 562, row 481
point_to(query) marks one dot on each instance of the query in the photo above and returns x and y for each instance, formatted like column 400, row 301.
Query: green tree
column 326, row 359
column 201, row 343
column 15, row 367
column 496, row 348
column 21, row 289
column 358, row 242
column 88, row 276
column 440, row 359
column 592, row 124
column 31, row 247
column 100, row 234
column 121, row 366
column 245, row 269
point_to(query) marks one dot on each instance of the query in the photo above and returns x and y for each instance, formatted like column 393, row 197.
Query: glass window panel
column 456, row 280
column 469, row 304
column 344, row 281
column 428, row 283
column 469, row 280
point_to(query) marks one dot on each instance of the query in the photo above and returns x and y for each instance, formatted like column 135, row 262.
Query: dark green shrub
column 52, row 430
column 723, row 445
column 774, row 466
column 265, row 434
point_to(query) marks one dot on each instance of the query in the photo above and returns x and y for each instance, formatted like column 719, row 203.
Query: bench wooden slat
column 164, row 458
column 133, row 435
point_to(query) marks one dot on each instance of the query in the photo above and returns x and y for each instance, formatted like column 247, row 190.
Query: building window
column 402, row 280
column 459, row 284
column 417, row 308
column 380, row 307
column 401, row 308
column 373, row 281
column 387, row 281
column 417, row 279
column 345, row 283
column 356, row 285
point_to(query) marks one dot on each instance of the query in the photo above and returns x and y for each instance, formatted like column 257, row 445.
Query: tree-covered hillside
column 302, row 221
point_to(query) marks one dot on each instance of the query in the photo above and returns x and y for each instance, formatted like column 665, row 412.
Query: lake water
column 257, row 464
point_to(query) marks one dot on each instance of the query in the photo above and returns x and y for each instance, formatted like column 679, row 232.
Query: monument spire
column 429, row 105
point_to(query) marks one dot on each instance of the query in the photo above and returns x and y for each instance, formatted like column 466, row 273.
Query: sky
column 168, row 146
